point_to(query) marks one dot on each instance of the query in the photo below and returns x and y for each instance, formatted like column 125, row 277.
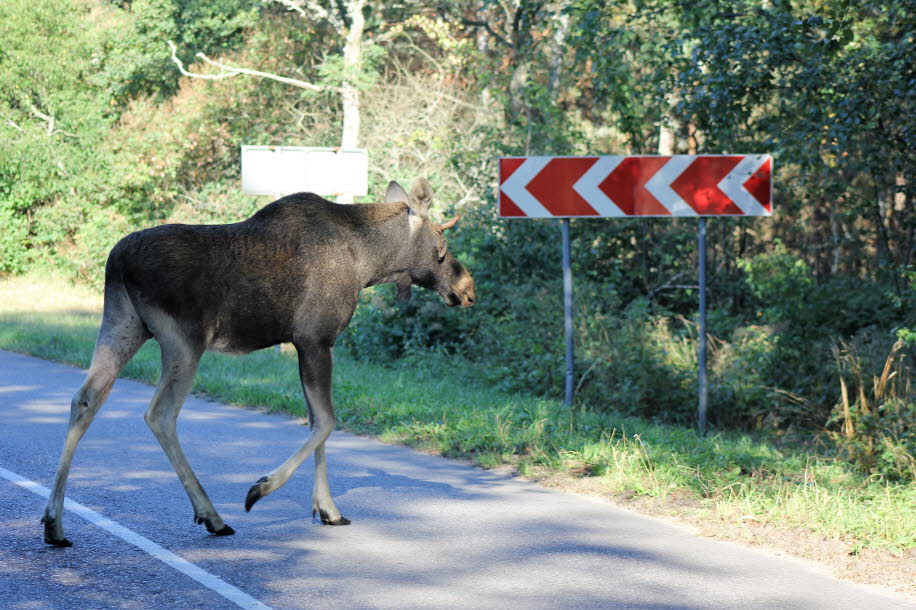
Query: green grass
column 431, row 405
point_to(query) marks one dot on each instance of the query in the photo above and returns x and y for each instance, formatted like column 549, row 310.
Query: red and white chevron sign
column 679, row 185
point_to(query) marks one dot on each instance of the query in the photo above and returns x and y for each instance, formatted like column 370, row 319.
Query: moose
column 289, row 274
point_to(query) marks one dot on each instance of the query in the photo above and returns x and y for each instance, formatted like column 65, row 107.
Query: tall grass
column 433, row 402
column 877, row 425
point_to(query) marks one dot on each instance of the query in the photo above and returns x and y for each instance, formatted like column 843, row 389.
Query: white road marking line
column 214, row 583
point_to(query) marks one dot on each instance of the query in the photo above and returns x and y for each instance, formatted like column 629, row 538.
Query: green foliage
column 333, row 73
column 52, row 116
column 135, row 61
column 907, row 336
column 13, row 257
column 76, row 172
column 779, row 280
column 743, row 375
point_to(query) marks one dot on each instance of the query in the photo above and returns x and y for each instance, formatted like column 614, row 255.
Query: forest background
column 810, row 310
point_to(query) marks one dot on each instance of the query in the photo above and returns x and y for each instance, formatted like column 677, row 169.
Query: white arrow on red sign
column 612, row 186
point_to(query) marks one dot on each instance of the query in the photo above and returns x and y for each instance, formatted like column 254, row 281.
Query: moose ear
column 421, row 195
column 395, row 193
column 442, row 247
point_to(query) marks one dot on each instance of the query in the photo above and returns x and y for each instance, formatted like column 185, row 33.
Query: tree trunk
column 836, row 242
column 349, row 90
column 557, row 51
column 352, row 64
column 666, row 137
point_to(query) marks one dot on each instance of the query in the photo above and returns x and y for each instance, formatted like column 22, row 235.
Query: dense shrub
column 770, row 367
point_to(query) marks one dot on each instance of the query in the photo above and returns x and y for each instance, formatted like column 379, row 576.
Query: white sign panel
column 282, row 170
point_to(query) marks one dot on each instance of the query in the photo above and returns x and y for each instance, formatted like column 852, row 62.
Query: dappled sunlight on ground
column 114, row 414
column 155, row 475
column 41, row 406
column 18, row 388
column 403, row 506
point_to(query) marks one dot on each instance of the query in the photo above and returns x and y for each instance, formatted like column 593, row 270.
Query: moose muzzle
column 462, row 291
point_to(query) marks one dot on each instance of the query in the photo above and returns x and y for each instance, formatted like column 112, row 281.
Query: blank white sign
column 282, row 170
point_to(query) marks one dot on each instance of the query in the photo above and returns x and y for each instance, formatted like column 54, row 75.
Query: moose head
column 434, row 267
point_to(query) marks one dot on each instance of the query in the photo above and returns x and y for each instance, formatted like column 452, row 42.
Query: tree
column 52, row 115
column 348, row 21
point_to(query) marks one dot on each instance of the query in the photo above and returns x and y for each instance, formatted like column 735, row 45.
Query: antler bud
column 447, row 225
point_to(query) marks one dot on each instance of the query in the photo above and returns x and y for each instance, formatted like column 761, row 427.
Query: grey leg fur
column 179, row 364
column 322, row 504
column 121, row 335
column 315, row 373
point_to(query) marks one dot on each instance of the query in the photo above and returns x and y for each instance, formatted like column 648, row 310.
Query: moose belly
column 243, row 332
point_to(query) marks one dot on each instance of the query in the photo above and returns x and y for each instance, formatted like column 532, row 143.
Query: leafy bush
column 14, row 255
column 804, row 319
column 782, row 283
column 638, row 364
column 742, row 390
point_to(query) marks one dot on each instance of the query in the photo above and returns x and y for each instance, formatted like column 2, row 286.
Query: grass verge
column 731, row 480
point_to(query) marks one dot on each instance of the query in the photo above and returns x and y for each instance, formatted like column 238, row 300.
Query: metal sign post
column 635, row 186
column 567, row 311
column 701, row 339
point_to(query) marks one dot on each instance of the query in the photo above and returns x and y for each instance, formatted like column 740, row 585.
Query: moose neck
column 386, row 245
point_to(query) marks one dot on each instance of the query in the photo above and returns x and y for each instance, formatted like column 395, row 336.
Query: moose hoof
column 54, row 533
column 255, row 493
column 223, row 531
column 61, row 542
column 325, row 520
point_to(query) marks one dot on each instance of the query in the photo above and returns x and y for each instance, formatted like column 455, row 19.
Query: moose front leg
column 322, row 504
column 315, row 373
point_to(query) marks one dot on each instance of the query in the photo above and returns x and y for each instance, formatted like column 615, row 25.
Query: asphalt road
column 426, row 532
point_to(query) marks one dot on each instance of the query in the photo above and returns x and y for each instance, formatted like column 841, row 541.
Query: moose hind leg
column 119, row 339
column 179, row 365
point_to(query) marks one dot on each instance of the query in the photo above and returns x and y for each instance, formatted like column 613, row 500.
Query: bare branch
column 230, row 71
column 309, row 8
column 331, row 17
column 15, row 126
column 667, row 285
column 50, row 122
column 486, row 26
column 41, row 115
column 585, row 374
column 289, row 4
